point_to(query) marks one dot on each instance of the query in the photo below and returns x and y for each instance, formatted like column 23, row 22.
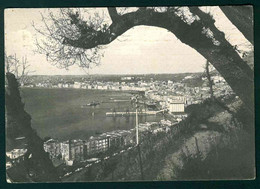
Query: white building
column 52, row 147
column 170, row 82
column 176, row 104
column 16, row 153
column 77, row 85
column 72, row 150
column 176, row 107
column 126, row 78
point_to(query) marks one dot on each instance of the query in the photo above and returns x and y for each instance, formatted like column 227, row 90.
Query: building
column 176, row 104
column 96, row 145
column 52, row 147
column 127, row 78
column 115, row 141
column 77, row 85
column 175, row 107
column 119, row 138
column 16, row 155
column 73, row 150
column 170, row 82
column 77, row 150
column 65, row 150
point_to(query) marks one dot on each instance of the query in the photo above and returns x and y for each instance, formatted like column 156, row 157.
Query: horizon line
column 115, row 74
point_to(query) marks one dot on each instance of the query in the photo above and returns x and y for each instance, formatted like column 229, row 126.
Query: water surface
column 58, row 113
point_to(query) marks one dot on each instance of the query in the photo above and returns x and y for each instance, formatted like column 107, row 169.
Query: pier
column 133, row 113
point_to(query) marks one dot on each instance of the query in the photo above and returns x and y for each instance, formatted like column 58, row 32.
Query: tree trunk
column 209, row 80
column 242, row 18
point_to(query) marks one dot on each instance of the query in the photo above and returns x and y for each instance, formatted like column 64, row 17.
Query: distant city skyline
column 141, row 50
column 119, row 74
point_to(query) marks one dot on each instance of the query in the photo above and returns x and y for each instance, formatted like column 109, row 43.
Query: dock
column 133, row 113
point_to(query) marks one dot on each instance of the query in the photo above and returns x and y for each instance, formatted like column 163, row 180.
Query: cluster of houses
column 176, row 96
column 115, row 86
column 79, row 150
column 71, row 151
column 15, row 156
column 174, row 104
column 159, row 91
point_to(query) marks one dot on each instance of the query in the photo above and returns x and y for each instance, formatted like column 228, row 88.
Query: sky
column 140, row 50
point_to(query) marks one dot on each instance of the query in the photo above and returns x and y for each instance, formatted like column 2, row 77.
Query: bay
column 61, row 113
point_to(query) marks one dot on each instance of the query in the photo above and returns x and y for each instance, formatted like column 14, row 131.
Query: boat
column 93, row 103
column 121, row 100
column 90, row 104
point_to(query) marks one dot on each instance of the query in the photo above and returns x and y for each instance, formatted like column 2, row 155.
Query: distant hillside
column 114, row 78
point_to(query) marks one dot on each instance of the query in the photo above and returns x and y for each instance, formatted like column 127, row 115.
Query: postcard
column 119, row 94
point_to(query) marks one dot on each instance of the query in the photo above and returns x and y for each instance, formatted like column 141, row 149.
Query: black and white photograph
column 129, row 94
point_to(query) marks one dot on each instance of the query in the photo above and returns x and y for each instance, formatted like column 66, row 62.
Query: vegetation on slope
column 37, row 167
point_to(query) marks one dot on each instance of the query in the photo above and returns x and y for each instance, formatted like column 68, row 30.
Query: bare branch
column 20, row 69
column 113, row 14
column 64, row 32
column 73, row 40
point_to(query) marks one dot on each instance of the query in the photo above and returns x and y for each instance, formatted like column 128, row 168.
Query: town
column 171, row 97
column 157, row 90
column 119, row 94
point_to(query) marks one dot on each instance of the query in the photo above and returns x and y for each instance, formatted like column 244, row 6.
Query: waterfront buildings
column 52, row 147
column 119, row 138
column 96, row 145
column 79, row 150
column 155, row 90
column 72, row 150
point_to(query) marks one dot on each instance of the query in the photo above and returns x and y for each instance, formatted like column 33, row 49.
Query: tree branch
column 113, row 14
column 192, row 27
column 242, row 18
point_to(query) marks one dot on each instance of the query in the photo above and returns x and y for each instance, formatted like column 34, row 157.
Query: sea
column 63, row 114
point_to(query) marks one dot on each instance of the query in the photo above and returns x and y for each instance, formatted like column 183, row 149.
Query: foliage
column 39, row 167
column 64, row 25
column 221, row 163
